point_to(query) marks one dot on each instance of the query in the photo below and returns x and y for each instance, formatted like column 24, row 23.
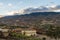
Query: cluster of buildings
column 27, row 32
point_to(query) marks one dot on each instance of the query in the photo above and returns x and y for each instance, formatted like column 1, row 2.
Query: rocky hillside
column 32, row 19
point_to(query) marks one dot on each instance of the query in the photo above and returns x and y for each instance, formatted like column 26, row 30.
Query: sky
column 7, row 6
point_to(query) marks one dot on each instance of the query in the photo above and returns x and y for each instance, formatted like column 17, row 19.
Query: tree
column 53, row 32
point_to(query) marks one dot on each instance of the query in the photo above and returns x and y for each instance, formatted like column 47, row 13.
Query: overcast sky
column 13, row 5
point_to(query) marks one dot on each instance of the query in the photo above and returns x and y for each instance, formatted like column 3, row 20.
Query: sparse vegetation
column 20, row 36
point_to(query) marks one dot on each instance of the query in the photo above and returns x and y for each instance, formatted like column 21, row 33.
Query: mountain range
column 33, row 16
column 32, row 19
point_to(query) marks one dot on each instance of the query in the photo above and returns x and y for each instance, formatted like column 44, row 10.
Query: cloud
column 56, row 10
column 53, row 8
column 10, row 4
column 16, row 12
column 1, row 4
column 11, row 13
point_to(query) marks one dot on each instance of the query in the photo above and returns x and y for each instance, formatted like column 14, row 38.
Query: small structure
column 28, row 32
column 5, row 32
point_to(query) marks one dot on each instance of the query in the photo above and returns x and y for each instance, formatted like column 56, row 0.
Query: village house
column 4, row 32
column 27, row 32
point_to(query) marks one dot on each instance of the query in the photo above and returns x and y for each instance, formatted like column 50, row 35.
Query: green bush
column 20, row 36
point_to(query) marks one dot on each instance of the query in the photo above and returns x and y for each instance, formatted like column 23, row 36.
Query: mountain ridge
column 32, row 19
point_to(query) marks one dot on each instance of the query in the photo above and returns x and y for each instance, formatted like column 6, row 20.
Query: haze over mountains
column 53, row 8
